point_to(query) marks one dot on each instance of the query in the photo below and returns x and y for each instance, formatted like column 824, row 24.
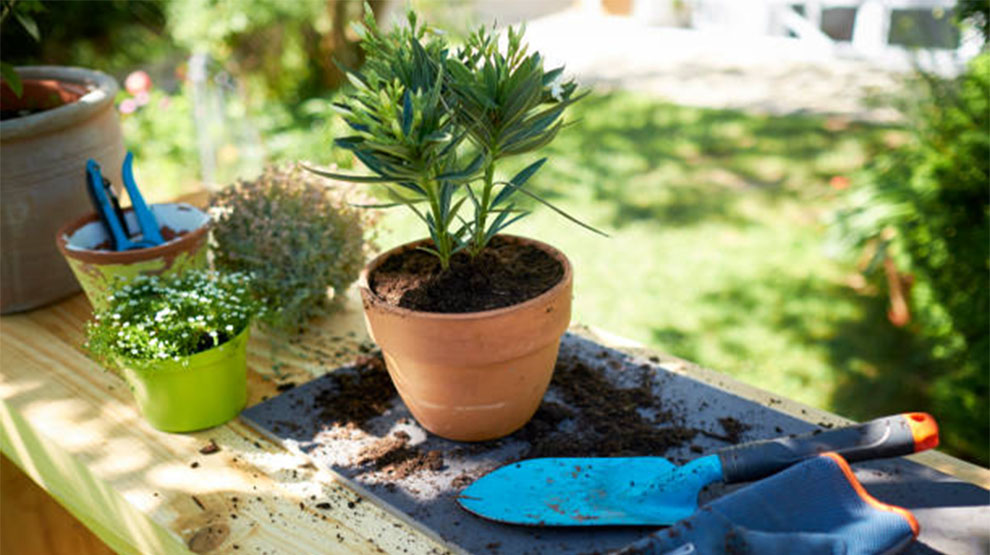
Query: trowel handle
column 891, row 436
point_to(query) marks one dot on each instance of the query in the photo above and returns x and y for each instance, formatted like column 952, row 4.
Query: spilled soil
column 504, row 274
column 593, row 418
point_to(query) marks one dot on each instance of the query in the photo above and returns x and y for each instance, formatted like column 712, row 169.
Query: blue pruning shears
column 108, row 208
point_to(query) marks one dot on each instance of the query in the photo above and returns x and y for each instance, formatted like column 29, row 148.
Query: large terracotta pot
column 42, row 175
column 471, row 376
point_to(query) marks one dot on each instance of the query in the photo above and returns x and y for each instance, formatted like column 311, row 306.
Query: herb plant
column 432, row 126
column 152, row 319
column 296, row 237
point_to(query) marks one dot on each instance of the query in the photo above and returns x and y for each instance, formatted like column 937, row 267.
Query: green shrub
column 293, row 232
column 925, row 205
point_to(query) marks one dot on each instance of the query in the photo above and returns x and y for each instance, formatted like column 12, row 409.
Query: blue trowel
column 655, row 491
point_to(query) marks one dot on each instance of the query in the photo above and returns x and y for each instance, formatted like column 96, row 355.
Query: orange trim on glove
column 924, row 429
column 872, row 501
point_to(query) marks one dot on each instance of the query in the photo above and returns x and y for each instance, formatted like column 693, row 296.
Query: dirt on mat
column 356, row 398
column 592, row 417
column 395, row 457
column 607, row 421
column 505, row 273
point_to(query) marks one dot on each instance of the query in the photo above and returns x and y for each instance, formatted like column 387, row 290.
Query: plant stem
column 481, row 220
column 440, row 234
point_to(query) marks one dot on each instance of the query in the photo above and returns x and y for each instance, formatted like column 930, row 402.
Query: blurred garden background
column 799, row 207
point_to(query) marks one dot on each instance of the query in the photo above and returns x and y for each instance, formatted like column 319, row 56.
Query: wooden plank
column 33, row 522
column 74, row 429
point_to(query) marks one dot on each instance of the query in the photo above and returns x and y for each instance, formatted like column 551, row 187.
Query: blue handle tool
column 655, row 491
column 146, row 220
column 107, row 206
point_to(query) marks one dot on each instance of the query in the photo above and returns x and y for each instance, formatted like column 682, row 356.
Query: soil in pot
column 167, row 235
column 38, row 95
column 504, row 274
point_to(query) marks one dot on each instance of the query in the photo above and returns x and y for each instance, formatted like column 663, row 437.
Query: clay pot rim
column 125, row 257
column 365, row 287
column 101, row 94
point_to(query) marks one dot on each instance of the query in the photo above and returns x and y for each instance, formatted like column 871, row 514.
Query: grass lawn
column 717, row 250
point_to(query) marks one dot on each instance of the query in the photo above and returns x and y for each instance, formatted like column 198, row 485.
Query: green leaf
column 345, row 177
column 11, row 77
column 29, row 25
column 557, row 210
column 464, row 173
column 518, row 181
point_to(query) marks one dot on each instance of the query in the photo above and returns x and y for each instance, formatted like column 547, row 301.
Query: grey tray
column 954, row 515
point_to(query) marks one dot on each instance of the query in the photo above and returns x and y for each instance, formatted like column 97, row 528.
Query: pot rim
column 195, row 360
column 368, row 293
column 125, row 257
column 102, row 92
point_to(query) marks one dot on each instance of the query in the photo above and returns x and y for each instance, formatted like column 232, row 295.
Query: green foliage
column 154, row 318
column 926, row 205
column 162, row 135
column 404, row 131
column 20, row 11
column 509, row 106
column 295, row 235
column 261, row 41
column 413, row 105
column 108, row 36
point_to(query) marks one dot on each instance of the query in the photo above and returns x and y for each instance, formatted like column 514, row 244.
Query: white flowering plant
column 152, row 319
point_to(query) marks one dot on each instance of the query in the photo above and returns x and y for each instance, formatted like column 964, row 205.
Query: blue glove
column 815, row 507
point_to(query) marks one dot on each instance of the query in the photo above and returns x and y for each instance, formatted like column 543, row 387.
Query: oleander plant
column 432, row 125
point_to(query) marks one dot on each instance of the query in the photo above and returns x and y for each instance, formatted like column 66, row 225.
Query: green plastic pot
column 208, row 391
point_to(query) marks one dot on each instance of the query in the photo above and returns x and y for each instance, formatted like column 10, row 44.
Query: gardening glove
column 815, row 507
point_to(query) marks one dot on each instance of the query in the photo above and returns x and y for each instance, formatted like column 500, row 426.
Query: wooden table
column 74, row 429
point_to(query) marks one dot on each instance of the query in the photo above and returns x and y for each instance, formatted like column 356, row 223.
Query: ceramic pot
column 42, row 175
column 195, row 393
column 471, row 376
column 84, row 242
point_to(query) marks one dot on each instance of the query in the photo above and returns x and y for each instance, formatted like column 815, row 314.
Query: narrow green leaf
column 29, row 25
column 557, row 210
column 344, row 177
column 466, row 172
column 407, row 113
column 13, row 80
column 518, row 181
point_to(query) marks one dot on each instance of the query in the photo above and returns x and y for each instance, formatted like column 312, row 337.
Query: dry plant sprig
column 293, row 231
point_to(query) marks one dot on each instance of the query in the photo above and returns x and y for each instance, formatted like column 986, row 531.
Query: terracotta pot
column 42, row 175
column 471, row 376
column 83, row 243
